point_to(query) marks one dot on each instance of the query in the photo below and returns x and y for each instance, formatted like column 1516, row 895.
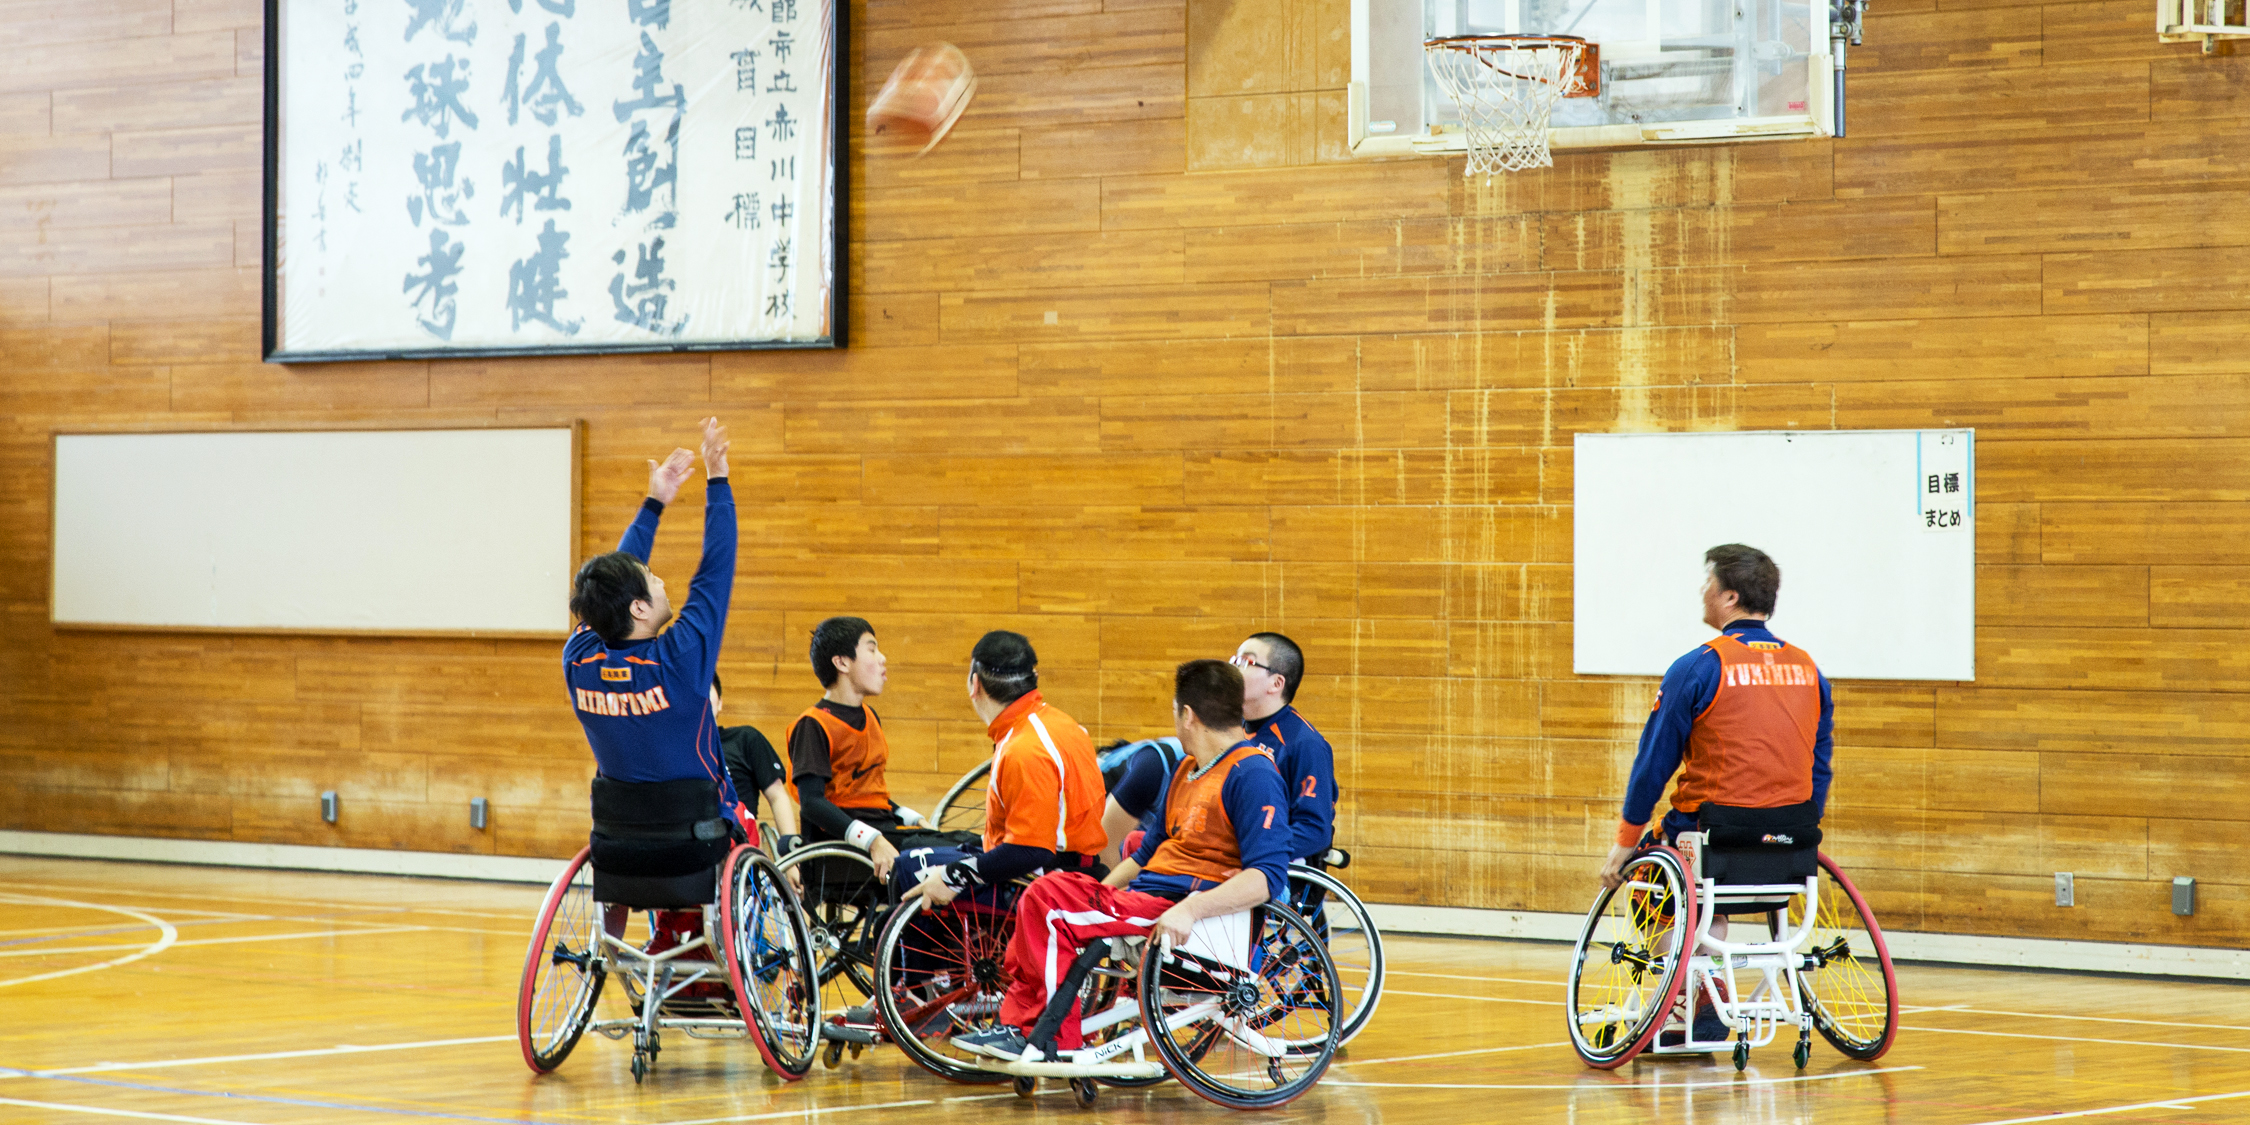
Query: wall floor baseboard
column 1440, row 921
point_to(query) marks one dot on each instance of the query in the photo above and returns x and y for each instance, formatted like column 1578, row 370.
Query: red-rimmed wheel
column 1849, row 983
column 769, row 961
column 562, row 971
column 1631, row 959
column 941, row 973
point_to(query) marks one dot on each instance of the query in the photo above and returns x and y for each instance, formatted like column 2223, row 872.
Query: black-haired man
column 640, row 690
column 837, row 750
column 1272, row 669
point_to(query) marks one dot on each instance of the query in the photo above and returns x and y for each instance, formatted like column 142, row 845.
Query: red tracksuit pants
column 1056, row 917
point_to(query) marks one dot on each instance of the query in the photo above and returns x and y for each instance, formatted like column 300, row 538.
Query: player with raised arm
column 641, row 690
column 1217, row 844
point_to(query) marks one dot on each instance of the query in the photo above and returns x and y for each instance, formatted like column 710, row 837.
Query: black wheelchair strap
column 1058, row 1006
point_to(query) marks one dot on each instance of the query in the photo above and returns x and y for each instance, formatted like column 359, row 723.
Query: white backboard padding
column 446, row 531
column 1874, row 531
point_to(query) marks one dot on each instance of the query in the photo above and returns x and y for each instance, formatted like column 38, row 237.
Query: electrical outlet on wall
column 2065, row 894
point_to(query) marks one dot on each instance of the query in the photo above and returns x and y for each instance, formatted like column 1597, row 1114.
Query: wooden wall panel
column 1141, row 361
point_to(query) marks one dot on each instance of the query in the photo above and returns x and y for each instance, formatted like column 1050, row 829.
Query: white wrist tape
column 909, row 817
column 862, row 835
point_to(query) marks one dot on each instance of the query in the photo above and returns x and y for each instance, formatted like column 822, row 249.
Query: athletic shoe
column 1000, row 1041
column 861, row 1014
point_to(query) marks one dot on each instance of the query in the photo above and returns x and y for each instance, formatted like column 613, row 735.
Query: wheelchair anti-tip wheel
column 1628, row 966
column 962, row 807
column 1848, row 983
column 769, row 961
column 944, row 971
column 1344, row 926
column 1226, row 1033
column 562, row 971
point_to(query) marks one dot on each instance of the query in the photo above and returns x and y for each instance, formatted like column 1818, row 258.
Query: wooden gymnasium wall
column 1141, row 362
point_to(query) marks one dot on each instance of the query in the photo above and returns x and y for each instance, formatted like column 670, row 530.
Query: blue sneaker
column 1000, row 1041
column 1709, row 1028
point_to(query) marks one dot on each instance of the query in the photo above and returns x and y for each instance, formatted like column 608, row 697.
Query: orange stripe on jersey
column 1046, row 785
column 1753, row 746
column 858, row 758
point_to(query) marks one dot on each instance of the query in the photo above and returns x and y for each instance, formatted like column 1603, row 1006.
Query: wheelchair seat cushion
column 1753, row 847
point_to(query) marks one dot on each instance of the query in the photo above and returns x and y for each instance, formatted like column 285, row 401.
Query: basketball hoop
column 1506, row 87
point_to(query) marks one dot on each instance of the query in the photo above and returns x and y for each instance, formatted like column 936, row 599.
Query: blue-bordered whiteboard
column 1874, row 531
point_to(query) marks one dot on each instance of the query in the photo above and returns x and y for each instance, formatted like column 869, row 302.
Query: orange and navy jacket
column 1746, row 720
column 856, row 759
column 1046, row 788
column 1215, row 822
column 646, row 706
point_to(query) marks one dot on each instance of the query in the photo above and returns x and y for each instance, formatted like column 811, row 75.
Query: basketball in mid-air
column 927, row 92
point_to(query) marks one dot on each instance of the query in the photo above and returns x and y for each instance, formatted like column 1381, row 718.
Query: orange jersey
column 858, row 758
column 1753, row 746
column 1046, row 787
column 1200, row 837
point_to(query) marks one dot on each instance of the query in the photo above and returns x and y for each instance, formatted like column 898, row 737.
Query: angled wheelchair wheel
column 1849, row 983
column 1342, row 922
column 1245, row 1038
column 962, row 807
column 943, row 972
column 562, row 971
column 843, row 904
column 769, row 961
column 1628, row 965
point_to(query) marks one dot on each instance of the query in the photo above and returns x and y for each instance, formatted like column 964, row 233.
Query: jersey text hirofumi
column 622, row 702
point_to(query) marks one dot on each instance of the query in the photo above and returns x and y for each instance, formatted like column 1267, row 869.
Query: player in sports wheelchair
column 1244, row 1015
column 1326, row 903
column 1659, row 969
column 724, row 952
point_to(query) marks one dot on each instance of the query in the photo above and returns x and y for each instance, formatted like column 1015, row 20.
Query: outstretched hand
column 664, row 480
column 714, row 449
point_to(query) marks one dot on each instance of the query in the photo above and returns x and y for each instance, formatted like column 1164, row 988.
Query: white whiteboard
column 1874, row 531
column 420, row 531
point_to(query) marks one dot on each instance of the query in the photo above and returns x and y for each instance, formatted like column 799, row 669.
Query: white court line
column 2080, row 1039
column 166, row 936
column 1478, row 999
column 215, row 941
column 132, row 1113
column 809, row 1111
column 1963, row 1008
column 339, row 1049
column 2168, row 1103
column 371, row 908
column 1497, row 980
column 1452, row 1054
column 1727, row 1084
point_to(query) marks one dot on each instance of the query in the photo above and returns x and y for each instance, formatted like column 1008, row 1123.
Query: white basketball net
column 1506, row 89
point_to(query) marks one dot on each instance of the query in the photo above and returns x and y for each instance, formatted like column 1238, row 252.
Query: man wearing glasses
column 1272, row 668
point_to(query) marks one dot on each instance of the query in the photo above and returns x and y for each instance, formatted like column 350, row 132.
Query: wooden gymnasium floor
column 332, row 998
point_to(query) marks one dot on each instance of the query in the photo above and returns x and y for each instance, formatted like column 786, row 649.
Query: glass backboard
column 1672, row 71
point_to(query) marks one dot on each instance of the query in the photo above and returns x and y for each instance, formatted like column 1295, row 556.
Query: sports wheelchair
column 725, row 952
column 1335, row 913
column 1647, row 964
column 1244, row 1010
column 844, row 908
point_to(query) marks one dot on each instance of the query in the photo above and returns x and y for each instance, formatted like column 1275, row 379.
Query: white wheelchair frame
column 646, row 976
column 1717, row 967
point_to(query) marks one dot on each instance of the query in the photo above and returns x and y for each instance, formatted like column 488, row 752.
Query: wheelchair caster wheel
column 1741, row 1054
column 640, row 1068
column 1025, row 1087
column 1085, row 1089
column 1803, row 1053
column 833, row 1057
column 857, row 1048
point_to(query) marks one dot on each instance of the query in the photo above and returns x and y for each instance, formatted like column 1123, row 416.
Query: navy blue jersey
column 646, row 706
column 1308, row 768
column 1148, row 766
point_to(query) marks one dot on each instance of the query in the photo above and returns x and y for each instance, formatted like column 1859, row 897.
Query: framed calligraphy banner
column 525, row 177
